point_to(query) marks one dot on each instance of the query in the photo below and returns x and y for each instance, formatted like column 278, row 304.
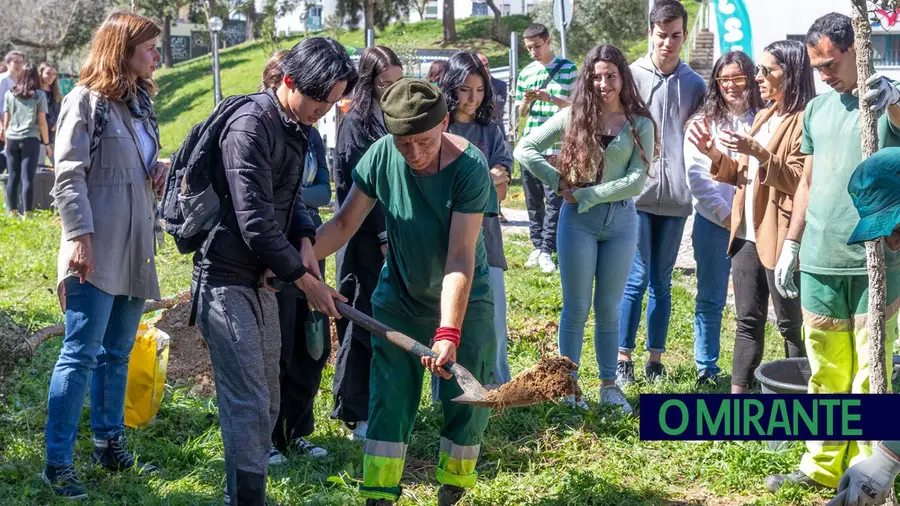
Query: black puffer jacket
column 262, row 159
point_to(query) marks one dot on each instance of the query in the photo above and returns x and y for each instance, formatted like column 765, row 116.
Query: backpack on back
column 190, row 207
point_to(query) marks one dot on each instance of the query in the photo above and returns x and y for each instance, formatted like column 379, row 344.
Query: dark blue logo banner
column 778, row 417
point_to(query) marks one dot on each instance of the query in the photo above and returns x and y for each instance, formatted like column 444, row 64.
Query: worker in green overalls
column 435, row 188
column 875, row 190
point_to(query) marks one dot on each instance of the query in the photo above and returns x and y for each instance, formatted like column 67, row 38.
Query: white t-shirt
column 148, row 147
column 763, row 136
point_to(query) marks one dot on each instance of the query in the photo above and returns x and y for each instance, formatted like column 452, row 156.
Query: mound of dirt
column 189, row 364
column 12, row 345
column 549, row 380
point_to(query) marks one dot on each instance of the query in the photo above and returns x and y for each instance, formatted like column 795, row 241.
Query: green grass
column 185, row 95
column 542, row 455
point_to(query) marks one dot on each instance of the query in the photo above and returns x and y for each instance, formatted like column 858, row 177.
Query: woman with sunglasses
column 766, row 176
column 732, row 100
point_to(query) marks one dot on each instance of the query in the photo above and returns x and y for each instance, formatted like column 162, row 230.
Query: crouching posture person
column 435, row 188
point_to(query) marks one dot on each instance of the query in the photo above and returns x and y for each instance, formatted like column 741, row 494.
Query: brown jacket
column 773, row 191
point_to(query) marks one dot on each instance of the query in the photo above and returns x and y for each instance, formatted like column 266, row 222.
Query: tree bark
column 449, row 23
column 496, row 25
column 167, row 39
column 868, row 127
column 370, row 15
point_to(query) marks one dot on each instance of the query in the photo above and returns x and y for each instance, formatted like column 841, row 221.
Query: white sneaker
column 577, row 404
column 545, row 260
column 533, row 258
column 275, row 457
column 614, row 396
column 359, row 433
column 304, row 447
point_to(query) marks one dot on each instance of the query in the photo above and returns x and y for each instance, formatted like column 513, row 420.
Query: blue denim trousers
column 659, row 238
column 100, row 331
column 713, row 269
column 594, row 249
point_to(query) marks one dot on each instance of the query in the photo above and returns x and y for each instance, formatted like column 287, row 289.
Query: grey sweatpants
column 240, row 325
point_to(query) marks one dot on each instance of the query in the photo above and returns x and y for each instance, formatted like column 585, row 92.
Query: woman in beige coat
column 766, row 177
column 106, row 175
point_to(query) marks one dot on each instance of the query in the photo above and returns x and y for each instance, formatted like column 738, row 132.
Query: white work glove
column 869, row 482
column 785, row 268
column 881, row 93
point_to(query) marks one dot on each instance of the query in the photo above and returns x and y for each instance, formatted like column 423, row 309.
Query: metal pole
column 513, row 80
column 217, row 85
column 370, row 37
column 562, row 26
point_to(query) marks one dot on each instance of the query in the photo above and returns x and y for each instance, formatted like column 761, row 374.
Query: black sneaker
column 654, row 371
column 113, row 456
column 448, row 495
column 624, row 373
column 64, row 482
column 705, row 380
column 775, row 481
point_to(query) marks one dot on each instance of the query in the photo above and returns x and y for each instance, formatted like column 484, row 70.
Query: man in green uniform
column 875, row 189
column 833, row 274
column 435, row 189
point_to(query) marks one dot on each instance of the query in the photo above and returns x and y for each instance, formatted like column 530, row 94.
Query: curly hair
column 582, row 148
column 460, row 66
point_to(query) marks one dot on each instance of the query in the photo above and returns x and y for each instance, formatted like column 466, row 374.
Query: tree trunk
column 449, row 23
column 421, row 5
column 496, row 25
column 167, row 40
column 251, row 21
column 874, row 249
column 370, row 15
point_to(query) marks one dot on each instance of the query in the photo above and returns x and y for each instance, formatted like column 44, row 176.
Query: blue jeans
column 659, row 238
column 599, row 246
column 100, row 330
column 501, row 364
column 713, row 268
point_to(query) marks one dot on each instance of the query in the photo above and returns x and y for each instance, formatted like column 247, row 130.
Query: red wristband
column 451, row 334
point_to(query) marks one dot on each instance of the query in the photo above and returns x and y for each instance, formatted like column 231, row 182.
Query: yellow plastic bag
column 146, row 375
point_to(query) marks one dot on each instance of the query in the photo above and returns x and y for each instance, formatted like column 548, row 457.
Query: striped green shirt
column 532, row 77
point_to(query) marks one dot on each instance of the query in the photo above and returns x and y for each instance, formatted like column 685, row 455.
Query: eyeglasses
column 765, row 71
column 739, row 81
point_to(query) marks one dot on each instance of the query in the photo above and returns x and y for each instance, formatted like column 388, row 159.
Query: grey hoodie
column 672, row 100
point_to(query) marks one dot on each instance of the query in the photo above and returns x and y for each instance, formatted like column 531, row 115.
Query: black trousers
column 299, row 374
column 2, row 157
column 359, row 265
column 22, row 158
column 753, row 284
column 543, row 212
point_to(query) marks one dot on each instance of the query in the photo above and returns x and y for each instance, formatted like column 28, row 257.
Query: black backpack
column 190, row 207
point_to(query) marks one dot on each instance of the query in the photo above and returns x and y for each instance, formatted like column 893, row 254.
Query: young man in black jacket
column 263, row 149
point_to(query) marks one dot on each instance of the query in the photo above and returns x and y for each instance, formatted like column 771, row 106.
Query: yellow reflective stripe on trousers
column 456, row 465
column 382, row 469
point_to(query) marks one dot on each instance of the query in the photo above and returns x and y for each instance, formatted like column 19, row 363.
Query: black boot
column 64, row 481
column 113, row 456
column 448, row 495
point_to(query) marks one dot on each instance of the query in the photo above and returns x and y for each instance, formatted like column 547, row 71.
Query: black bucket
column 789, row 376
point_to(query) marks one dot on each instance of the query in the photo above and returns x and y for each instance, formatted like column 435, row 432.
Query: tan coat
column 110, row 196
column 774, row 193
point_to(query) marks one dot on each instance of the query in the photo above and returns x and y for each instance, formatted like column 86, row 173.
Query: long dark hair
column 460, row 66
column 582, row 149
column 316, row 65
column 28, row 83
column 714, row 106
column 55, row 93
column 799, row 85
column 372, row 63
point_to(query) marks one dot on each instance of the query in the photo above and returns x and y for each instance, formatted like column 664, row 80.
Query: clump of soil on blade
column 549, row 380
column 189, row 364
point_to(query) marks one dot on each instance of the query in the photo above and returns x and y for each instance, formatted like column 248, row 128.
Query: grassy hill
column 186, row 95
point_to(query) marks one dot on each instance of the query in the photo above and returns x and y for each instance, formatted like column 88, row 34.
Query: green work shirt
column 23, row 114
column 831, row 135
column 417, row 212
